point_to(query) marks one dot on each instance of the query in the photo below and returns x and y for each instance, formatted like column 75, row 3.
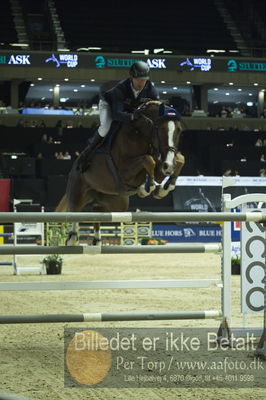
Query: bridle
column 155, row 145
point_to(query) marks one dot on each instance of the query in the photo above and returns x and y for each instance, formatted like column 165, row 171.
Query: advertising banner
column 253, row 254
column 187, row 233
column 182, row 63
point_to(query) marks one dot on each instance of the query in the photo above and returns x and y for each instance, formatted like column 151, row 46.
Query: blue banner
column 187, row 233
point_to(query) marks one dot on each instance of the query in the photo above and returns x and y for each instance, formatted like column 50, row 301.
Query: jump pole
column 5, row 396
column 226, row 217
column 259, row 216
column 112, row 284
column 102, row 317
column 226, row 266
column 85, row 249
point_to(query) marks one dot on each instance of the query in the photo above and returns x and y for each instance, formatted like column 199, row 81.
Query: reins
column 156, row 142
column 155, row 146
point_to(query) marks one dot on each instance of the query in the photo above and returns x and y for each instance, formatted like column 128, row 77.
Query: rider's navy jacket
column 122, row 100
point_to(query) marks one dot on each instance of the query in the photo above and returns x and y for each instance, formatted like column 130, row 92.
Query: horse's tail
column 71, row 199
column 78, row 192
column 74, row 189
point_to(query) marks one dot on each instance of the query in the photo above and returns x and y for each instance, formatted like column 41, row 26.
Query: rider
column 118, row 104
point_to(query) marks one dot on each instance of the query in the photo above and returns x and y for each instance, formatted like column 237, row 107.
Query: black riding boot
column 86, row 155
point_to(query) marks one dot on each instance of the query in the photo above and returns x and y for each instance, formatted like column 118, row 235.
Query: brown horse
column 142, row 152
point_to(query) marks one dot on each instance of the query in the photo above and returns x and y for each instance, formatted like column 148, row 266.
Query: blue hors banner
column 187, row 233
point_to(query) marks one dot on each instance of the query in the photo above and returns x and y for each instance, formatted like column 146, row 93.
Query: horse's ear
column 161, row 110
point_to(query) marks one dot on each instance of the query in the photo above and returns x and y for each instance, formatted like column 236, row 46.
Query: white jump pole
column 130, row 217
column 195, row 248
column 5, row 396
column 112, row 284
column 102, row 317
column 226, row 264
column 259, row 216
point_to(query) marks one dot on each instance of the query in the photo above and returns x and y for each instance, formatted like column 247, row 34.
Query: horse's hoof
column 149, row 188
column 160, row 192
column 157, row 195
column 72, row 239
column 144, row 191
column 96, row 242
column 71, row 242
column 170, row 188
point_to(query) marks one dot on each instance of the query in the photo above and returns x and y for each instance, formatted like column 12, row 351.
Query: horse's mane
column 149, row 103
column 150, row 108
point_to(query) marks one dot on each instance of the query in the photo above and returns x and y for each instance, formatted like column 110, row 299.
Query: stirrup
column 88, row 153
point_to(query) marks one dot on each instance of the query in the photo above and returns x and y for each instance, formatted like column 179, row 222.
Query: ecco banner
column 253, row 265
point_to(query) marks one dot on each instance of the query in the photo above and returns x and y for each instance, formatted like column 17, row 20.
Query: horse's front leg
column 163, row 190
column 148, row 186
column 136, row 167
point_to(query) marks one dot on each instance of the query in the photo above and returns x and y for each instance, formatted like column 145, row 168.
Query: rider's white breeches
column 105, row 118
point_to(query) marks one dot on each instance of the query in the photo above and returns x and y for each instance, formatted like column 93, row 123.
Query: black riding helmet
column 139, row 70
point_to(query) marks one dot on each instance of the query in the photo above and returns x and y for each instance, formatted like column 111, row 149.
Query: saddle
column 105, row 148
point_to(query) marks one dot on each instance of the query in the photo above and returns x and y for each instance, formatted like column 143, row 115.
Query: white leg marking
column 170, row 155
column 97, row 234
column 142, row 191
column 161, row 192
column 72, row 240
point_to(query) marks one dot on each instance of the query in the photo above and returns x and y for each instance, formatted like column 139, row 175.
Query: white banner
column 218, row 181
column 28, row 228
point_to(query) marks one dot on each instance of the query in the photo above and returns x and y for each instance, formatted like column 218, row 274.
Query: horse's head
column 169, row 130
column 165, row 129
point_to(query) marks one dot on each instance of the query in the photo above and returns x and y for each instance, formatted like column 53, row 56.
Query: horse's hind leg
column 72, row 238
column 138, row 166
column 148, row 186
column 97, row 240
column 97, row 226
column 107, row 203
column 78, row 194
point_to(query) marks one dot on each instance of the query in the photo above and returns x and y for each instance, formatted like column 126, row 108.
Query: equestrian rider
column 118, row 104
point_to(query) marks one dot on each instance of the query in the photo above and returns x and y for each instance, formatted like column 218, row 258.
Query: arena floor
column 32, row 356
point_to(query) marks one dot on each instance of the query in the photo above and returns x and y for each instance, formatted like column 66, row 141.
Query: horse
column 142, row 154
